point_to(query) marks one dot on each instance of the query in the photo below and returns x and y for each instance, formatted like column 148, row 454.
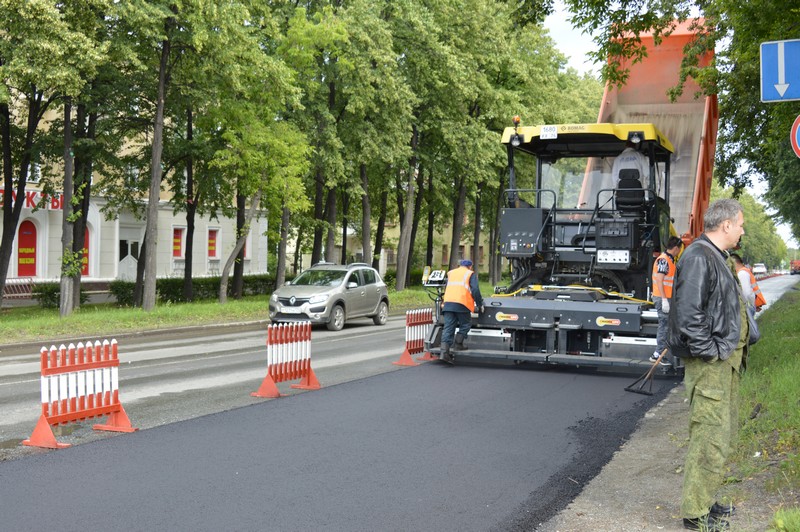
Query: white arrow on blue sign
column 780, row 71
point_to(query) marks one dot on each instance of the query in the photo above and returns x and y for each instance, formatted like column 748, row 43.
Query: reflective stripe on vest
column 760, row 300
column 669, row 278
column 457, row 290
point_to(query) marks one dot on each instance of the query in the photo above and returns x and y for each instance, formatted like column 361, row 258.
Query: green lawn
column 34, row 324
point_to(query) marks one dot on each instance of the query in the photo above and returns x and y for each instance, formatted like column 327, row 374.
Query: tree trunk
column 298, row 251
column 404, row 247
column 138, row 288
column 151, row 225
column 476, row 231
column 366, row 217
column 280, row 271
column 330, row 217
column 84, row 164
column 376, row 254
column 319, row 209
column 191, row 210
column 345, row 223
column 496, row 260
column 68, row 261
column 12, row 208
column 223, row 281
column 431, row 221
column 241, row 230
column 415, row 224
column 458, row 222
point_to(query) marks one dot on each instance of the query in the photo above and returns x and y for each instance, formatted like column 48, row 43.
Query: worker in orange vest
column 752, row 292
column 663, row 279
column 461, row 296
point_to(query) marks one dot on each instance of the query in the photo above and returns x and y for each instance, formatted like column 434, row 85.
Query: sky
column 575, row 45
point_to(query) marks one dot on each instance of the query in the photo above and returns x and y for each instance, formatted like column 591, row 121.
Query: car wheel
column 383, row 313
column 337, row 319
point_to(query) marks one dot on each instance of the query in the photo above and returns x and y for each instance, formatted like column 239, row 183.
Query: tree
column 42, row 59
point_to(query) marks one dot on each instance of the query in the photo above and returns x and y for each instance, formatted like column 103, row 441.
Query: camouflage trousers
column 713, row 391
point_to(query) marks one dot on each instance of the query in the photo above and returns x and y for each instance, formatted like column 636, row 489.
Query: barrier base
column 43, row 436
column 427, row 356
column 309, row 382
column 405, row 360
column 117, row 422
column 268, row 389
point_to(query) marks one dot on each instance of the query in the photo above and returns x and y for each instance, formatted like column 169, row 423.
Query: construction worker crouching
column 461, row 296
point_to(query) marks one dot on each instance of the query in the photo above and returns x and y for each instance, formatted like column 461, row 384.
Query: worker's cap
column 466, row 263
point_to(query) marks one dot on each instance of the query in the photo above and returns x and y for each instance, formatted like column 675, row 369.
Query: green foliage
column 122, row 292
column 785, row 520
column 390, row 277
column 49, row 294
column 760, row 242
column 170, row 290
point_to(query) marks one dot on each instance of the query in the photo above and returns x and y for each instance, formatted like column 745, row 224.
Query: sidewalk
column 640, row 488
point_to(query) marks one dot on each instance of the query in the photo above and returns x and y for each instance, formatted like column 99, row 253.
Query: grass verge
column 35, row 324
column 769, row 438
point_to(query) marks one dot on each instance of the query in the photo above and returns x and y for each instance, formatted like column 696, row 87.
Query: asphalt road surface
column 379, row 447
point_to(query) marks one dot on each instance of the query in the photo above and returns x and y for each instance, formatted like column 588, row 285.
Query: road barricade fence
column 418, row 325
column 78, row 383
column 288, row 358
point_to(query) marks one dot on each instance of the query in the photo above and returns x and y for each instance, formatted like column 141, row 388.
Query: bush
column 205, row 288
column 49, row 294
column 122, row 292
column 390, row 277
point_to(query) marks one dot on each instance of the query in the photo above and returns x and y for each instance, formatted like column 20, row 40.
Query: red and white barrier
column 288, row 358
column 418, row 325
column 79, row 382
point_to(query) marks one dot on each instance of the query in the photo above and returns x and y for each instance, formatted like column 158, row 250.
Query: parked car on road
column 332, row 294
column 759, row 268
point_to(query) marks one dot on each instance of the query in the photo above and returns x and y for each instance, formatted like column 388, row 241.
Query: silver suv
column 331, row 294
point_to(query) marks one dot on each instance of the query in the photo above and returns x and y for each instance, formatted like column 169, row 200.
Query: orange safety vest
column 669, row 278
column 457, row 290
column 760, row 300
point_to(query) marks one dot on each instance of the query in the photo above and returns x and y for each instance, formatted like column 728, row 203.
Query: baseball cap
column 466, row 262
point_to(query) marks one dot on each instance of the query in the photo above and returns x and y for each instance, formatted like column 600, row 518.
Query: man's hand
column 665, row 305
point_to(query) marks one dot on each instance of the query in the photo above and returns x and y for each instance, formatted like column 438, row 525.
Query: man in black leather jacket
column 708, row 330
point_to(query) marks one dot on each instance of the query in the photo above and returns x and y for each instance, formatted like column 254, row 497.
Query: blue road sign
column 780, row 71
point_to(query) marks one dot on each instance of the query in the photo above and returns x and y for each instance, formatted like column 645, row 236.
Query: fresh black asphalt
column 426, row 448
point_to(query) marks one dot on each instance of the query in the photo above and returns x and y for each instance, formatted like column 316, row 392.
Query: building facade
column 113, row 245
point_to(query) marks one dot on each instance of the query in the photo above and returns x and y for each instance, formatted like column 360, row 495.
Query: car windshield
column 320, row 278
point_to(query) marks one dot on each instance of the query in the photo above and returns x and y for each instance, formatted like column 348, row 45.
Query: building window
column 461, row 253
column 479, row 255
column 390, row 258
column 178, row 248
column 213, row 244
column 445, row 254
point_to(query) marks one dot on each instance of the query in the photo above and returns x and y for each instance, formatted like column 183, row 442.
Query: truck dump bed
column 689, row 122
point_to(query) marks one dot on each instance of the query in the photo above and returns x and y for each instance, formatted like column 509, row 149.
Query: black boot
column 460, row 343
column 444, row 353
column 706, row 523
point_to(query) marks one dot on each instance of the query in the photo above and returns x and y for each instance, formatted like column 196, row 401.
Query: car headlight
column 273, row 298
column 320, row 298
